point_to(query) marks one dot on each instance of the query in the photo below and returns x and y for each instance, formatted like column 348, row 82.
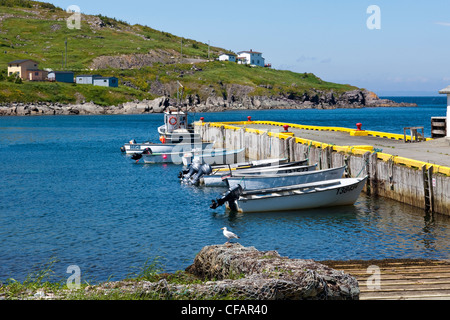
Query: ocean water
column 68, row 194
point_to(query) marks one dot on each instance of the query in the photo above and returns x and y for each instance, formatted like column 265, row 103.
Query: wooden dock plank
column 400, row 280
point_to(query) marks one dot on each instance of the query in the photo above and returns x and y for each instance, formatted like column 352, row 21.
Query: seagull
column 230, row 235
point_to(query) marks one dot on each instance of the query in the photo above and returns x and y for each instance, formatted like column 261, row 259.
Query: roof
column 105, row 78
column 61, row 72
column 20, row 61
column 249, row 52
column 89, row 75
column 228, row 54
column 445, row 90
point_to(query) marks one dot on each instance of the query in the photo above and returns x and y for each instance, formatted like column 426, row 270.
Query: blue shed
column 61, row 76
column 106, row 82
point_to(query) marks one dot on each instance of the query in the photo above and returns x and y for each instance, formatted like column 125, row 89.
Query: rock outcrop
column 236, row 97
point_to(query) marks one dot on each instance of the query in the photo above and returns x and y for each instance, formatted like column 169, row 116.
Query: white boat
column 328, row 193
column 176, row 128
column 196, row 170
column 219, row 180
column 214, row 156
column 263, row 181
column 132, row 147
column 176, row 157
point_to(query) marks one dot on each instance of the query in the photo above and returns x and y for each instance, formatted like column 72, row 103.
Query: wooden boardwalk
column 399, row 279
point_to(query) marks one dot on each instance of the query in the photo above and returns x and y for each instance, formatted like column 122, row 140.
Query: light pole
column 447, row 92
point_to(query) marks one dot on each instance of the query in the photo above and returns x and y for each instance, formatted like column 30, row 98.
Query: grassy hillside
column 139, row 55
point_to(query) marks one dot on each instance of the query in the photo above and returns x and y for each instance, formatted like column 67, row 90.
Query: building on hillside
column 87, row 78
column 112, row 82
column 251, row 57
column 227, row 57
column 21, row 68
column 36, row 75
column 61, row 76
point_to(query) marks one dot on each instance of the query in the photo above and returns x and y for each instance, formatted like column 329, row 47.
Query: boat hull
column 240, row 175
column 345, row 192
column 282, row 180
column 165, row 148
column 215, row 157
column 174, row 158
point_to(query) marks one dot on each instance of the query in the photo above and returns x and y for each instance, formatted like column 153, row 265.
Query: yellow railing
column 357, row 150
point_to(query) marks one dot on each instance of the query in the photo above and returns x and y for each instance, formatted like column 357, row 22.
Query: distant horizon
column 409, row 94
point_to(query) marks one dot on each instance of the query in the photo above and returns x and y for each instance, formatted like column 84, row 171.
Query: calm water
column 68, row 193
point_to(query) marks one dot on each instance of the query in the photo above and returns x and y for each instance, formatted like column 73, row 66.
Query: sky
column 401, row 48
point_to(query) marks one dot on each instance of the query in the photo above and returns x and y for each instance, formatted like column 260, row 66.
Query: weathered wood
column 400, row 280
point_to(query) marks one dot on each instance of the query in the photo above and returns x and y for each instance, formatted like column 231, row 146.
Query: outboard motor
column 205, row 169
column 192, row 170
column 138, row 156
column 230, row 196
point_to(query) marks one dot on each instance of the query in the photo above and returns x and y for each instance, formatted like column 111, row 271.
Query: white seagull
column 230, row 235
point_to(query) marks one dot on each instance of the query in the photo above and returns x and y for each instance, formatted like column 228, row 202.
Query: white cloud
column 445, row 24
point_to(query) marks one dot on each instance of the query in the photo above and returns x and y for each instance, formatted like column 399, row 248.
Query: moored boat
column 132, row 148
column 214, row 156
column 266, row 181
column 320, row 194
column 219, row 180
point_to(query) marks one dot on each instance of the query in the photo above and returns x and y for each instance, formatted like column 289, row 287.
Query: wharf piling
column 417, row 183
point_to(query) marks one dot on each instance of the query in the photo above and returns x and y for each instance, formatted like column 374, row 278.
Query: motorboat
column 266, row 181
column 214, row 156
column 132, row 147
column 176, row 128
column 219, row 180
column 329, row 193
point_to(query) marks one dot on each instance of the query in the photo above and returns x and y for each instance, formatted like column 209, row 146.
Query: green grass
column 44, row 280
column 29, row 92
column 38, row 31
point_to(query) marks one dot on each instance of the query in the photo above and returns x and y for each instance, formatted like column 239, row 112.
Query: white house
column 227, row 57
column 251, row 57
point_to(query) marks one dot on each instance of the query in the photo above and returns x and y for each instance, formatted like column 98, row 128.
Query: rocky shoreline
column 222, row 272
column 214, row 103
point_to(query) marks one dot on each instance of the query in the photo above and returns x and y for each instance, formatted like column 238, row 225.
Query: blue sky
column 409, row 55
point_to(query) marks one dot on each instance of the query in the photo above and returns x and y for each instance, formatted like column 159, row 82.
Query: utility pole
column 208, row 49
column 66, row 55
column 181, row 58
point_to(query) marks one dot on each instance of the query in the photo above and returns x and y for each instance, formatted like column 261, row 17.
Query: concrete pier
column 416, row 173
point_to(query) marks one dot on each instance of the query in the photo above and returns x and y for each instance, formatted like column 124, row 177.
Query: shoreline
column 212, row 104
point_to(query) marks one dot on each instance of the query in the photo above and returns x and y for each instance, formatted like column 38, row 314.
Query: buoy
column 173, row 121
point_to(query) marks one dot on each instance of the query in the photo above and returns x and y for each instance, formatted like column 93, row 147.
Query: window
column 104, row 80
column 36, row 73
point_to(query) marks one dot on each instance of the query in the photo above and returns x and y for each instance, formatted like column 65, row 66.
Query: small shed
column 61, row 76
column 107, row 82
column 87, row 78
